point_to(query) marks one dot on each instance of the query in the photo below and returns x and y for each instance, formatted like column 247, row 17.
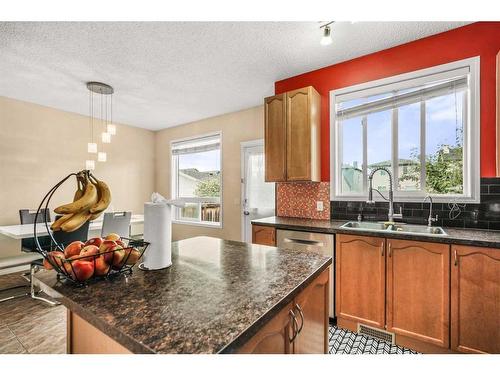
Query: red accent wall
column 478, row 39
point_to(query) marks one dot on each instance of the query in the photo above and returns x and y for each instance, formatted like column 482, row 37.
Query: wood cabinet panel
column 262, row 235
column 293, row 135
column 274, row 337
column 275, row 138
column 313, row 303
column 475, row 299
column 360, row 279
column 417, row 296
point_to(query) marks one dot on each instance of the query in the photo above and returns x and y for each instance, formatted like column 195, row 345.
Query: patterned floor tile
column 343, row 341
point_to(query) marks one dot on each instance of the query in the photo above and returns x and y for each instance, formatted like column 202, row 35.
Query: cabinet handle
column 297, row 306
column 455, row 256
column 390, row 250
column 383, row 248
column 295, row 324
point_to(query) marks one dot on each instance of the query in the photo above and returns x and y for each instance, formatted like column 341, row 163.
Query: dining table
column 21, row 231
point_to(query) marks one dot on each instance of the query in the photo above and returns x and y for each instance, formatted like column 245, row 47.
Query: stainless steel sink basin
column 395, row 227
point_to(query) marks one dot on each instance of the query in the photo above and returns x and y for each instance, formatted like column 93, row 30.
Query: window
column 422, row 126
column 196, row 179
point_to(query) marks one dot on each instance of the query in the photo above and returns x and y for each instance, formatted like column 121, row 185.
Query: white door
column 257, row 196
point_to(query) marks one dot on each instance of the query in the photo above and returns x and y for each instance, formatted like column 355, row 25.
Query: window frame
column 471, row 141
column 174, row 162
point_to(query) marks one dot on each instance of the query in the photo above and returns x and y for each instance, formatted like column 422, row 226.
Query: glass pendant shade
column 111, row 129
column 106, row 137
column 89, row 165
column 92, row 147
column 101, row 156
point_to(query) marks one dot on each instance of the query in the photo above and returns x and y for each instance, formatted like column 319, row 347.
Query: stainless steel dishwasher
column 314, row 242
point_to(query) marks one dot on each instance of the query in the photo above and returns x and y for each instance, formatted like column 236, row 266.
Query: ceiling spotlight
column 327, row 34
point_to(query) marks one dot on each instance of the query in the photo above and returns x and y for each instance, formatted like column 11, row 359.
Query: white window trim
column 471, row 135
column 173, row 183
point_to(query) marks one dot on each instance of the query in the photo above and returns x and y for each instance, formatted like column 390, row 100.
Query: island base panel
column 84, row 338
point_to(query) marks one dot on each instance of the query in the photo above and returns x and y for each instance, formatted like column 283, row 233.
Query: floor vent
column 376, row 333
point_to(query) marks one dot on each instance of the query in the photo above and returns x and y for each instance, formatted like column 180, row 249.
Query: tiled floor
column 343, row 341
column 29, row 326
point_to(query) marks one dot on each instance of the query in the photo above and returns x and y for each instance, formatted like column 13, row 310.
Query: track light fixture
column 327, row 34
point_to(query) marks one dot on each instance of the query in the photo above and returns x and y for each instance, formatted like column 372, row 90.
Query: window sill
column 198, row 224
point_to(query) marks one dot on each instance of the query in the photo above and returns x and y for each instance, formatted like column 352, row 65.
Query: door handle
column 297, row 306
column 295, row 325
column 303, row 242
column 383, row 248
column 390, row 250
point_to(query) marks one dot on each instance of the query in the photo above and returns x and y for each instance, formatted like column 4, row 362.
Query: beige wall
column 40, row 145
column 236, row 127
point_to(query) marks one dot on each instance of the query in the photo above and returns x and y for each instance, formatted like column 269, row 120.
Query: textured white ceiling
column 171, row 73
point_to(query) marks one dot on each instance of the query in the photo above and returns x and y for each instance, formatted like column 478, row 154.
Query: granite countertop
column 213, row 298
column 472, row 237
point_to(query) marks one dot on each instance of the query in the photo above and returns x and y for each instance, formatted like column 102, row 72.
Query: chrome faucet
column 431, row 219
column 391, row 215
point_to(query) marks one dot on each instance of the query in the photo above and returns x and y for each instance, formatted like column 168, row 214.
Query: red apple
column 105, row 249
column 132, row 255
column 56, row 257
column 88, row 251
column 101, row 267
column 73, row 248
column 96, row 241
column 118, row 256
column 112, row 237
column 83, row 269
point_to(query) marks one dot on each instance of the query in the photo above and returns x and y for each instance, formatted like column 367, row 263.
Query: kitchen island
column 217, row 297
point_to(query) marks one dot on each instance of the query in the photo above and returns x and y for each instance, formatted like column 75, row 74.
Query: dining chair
column 116, row 222
column 31, row 256
column 65, row 238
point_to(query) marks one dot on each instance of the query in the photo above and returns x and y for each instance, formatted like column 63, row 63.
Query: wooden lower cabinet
column 360, row 280
column 475, row 299
column 418, row 290
column 314, row 304
column 274, row 337
column 262, row 235
column 306, row 334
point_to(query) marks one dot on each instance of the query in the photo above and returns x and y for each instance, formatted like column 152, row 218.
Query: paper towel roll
column 158, row 232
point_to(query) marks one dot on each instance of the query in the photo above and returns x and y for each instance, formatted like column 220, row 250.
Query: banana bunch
column 91, row 198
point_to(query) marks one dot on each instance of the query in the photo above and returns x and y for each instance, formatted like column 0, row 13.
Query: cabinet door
column 275, row 138
column 298, row 149
column 274, row 337
column 475, row 299
column 418, row 285
column 360, row 279
column 262, row 235
column 311, row 306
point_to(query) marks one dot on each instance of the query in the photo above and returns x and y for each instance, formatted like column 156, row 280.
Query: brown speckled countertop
column 472, row 237
column 212, row 299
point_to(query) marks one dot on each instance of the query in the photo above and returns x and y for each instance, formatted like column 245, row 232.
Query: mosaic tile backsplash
column 485, row 215
column 298, row 199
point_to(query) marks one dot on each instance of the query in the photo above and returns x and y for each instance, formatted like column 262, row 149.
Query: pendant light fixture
column 327, row 34
column 104, row 121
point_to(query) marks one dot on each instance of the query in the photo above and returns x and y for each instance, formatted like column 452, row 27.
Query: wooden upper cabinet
column 418, row 275
column 275, row 138
column 274, row 337
column 312, row 304
column 475, row 299
column 262, row 235
column 292, row 136
column 360, row 279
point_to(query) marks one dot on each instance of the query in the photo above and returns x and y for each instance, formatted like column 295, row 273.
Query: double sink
column 394, row 227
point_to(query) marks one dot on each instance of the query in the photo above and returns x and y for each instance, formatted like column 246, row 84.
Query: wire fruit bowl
column 117, row 256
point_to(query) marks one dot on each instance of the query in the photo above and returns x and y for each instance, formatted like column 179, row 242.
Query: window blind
column 204, row 144
column 404, row 98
